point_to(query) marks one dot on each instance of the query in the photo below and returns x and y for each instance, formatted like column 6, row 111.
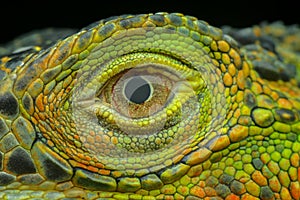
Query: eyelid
column 96, row 80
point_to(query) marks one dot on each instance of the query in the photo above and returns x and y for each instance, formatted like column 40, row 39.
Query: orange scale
column 177, row 158
column 220, row 143
column 295, row 190
column 92, row 169
column 259, row 178
column 114, row 140
column 50, row 143
column 186, row 151
column 274, row 96
column 197, row 191
column 92, row 133
column 39, row 102
column 76, row 137
column 210, row 191
column 104, row 172
column 295, row 160
column 68, row 151
column 223, row 46
column 61, row 130
column 98, row 138
column 236, row 57
column 239, row 96
column 79, row 155
column 116, row 174
column 42, row 129
column 168, row 197
column 88, row 158
column 45, row 100
column 267, row 90
column 232, row 197
column 244, row 120
column 231, row 69
column 227, row 79
column 51, row 107
column 58, row 112
column 100, row 165
column 249, row 197
column 223, row 68
column 285, row 194
column 225, row 58
column 42, row 116
column 110, row 133
column 284, row 103
column 77, row 164
column 60, row 94
column 237, row 113
column 198, row 156
column 36, row 116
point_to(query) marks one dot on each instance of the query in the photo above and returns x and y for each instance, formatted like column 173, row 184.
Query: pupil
column 137, row 90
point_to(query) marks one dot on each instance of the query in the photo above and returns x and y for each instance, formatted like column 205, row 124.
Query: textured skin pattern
column 230, row 131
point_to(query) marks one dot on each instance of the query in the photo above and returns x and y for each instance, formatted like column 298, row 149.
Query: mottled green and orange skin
column 256, row 156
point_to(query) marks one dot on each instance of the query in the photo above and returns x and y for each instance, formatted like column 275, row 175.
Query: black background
column 20, row 17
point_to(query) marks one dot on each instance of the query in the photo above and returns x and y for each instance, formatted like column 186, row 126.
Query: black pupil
column 137, row 90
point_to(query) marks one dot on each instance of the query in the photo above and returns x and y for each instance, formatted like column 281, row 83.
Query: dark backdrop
column 20, row 17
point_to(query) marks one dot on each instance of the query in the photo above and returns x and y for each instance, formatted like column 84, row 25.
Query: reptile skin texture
column 151, row 106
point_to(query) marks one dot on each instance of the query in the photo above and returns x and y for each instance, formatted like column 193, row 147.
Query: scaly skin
column 230, row 128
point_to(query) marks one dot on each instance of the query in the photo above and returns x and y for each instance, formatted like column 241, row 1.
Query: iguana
column 151, row 106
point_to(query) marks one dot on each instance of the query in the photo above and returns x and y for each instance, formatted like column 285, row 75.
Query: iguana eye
column 136, row 97
column 149, row 95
